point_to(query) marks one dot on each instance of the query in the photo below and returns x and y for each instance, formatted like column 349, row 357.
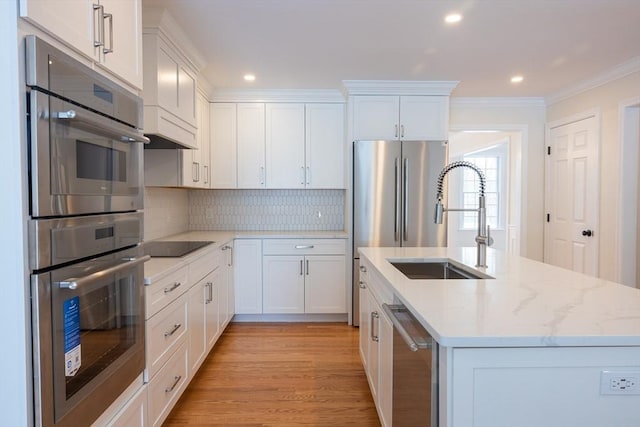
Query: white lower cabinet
column 304, row 276
column 134, row 413
column 166, row 387
column 376, row 343
column 247, row 270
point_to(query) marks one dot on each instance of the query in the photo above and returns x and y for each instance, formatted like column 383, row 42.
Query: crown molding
column 398, row 87
column 277, row 95
column 157, row 20
column 510, row 101
column 618, row 72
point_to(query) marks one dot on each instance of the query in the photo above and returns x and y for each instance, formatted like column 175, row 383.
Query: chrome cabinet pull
column 172, row 331
column 301, row 273
column 302, row 175
column 100, row 41
column 307, row 262
column 305, row 246
column 262, row 175
column 75, row 283
column 229, row 248
column 308, row 175
column 401, row 131
column 175, row 286
column 177, row 379
column 396, row 131
column 108, row 16
column 374, row 315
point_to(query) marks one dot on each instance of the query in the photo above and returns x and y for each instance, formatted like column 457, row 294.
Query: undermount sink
column 436, row 270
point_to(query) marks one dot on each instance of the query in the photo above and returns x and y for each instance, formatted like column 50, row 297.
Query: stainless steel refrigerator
column 394, row 195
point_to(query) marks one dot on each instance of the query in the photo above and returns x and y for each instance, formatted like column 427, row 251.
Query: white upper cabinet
column 420, row 117
column 324, row 145
column 251, row 145
column 109, row 32
column 223, row 145
column 285, row 143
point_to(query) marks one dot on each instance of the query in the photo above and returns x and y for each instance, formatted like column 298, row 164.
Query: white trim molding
column 618, row 72
column 398, row 87
column 277, row 95
column 497, row 102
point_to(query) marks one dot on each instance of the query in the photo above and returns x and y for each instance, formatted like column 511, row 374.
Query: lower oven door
column 88, row 336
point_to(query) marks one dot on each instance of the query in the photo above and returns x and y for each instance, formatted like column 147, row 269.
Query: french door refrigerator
column 394, row 195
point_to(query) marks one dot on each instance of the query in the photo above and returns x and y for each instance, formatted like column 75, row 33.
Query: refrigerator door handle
column 396, row 216
column 405, row 183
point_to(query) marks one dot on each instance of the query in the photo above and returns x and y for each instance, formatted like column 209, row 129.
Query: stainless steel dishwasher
column 415, row 371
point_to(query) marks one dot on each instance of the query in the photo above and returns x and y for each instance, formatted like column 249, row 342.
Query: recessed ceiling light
column 452, row 18
column 249, row 77
column 517, row 79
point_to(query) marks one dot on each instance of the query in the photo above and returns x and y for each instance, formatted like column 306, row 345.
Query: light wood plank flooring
column 279, row 374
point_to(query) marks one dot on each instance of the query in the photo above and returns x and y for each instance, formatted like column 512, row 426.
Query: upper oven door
column 81, row 162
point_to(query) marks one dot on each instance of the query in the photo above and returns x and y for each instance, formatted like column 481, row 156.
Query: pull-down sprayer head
column 439, row 211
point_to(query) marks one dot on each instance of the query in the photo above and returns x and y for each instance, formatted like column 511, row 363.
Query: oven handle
column 104, row 127
column 74, row 283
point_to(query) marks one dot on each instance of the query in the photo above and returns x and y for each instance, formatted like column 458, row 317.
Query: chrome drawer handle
column 177, row 379
column 304, row 246
column 172, row 288
column 172, row 331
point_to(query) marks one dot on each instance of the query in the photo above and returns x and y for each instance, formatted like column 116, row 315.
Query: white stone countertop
column 157, row 268
column 527, row 304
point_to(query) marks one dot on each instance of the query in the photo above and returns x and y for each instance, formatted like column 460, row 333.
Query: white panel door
column 186, row 95
column 572, row 232
column 285, row 145
column 283, row 285
column 223, row 145
column 376, row 117
column 247, row 272
column 324, row 145
column 424, row 118
column 324, row 289
column 251, row 148
column 124, row 26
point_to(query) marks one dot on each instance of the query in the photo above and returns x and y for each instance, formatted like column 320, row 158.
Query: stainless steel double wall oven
column 85, row 230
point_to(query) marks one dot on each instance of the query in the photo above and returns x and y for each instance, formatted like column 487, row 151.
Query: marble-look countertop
column 527, row 304
column 157, row 268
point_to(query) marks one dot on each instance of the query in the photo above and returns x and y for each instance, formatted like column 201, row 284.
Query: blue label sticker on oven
column 71, row 332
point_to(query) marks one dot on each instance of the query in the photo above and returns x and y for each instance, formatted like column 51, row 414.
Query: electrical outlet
column 620, row 382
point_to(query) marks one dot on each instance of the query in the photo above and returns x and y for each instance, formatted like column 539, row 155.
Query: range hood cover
column 163, row 143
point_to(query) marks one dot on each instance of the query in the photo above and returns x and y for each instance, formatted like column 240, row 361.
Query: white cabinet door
column 251, row 145
column 197, row 334
column 424, row 118
column 385, row 379
column 134, row 413
column 212, row 310
column 166, row 76
column 123, row 38
column 247, row 271
column 324, row 289
column 71, row 21
column 223, row 145
column 376, row 117
column 285, row 145
column 324, row 145
column 283, row 285
column 364, row 327
column 374, row 350
column 186, row 95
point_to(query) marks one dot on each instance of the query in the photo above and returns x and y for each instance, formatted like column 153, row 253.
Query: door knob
column 587, row 233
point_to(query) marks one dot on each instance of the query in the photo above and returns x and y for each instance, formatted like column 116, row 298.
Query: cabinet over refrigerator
column 394, row 190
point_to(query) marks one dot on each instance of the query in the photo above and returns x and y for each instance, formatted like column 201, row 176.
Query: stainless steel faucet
column 483, row 239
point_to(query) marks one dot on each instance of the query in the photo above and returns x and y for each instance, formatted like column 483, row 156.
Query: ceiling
column 316, row 44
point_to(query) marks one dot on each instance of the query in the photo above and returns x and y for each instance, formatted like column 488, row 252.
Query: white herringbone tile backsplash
column 266, row 210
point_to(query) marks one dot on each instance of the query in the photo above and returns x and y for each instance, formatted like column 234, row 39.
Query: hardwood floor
column 280, row 374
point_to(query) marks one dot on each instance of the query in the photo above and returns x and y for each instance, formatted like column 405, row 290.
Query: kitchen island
column 536, row 345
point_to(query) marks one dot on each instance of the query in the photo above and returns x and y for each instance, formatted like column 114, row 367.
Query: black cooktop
column 172, row 249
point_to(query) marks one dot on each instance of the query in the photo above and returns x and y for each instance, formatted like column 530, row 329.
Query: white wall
column 527, row 115
column 606, row 99
column 15, row 356
column 166, row 212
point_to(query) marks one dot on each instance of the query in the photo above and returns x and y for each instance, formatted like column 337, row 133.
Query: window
column 491, row 165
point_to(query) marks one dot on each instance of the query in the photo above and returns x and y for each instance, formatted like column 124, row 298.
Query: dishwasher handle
column 413, row 334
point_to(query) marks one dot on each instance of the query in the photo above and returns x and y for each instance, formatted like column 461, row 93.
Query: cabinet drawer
column 165, row 389
column 303, row 247
column 202, row 266
column 165, row 332
column 161, row 293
